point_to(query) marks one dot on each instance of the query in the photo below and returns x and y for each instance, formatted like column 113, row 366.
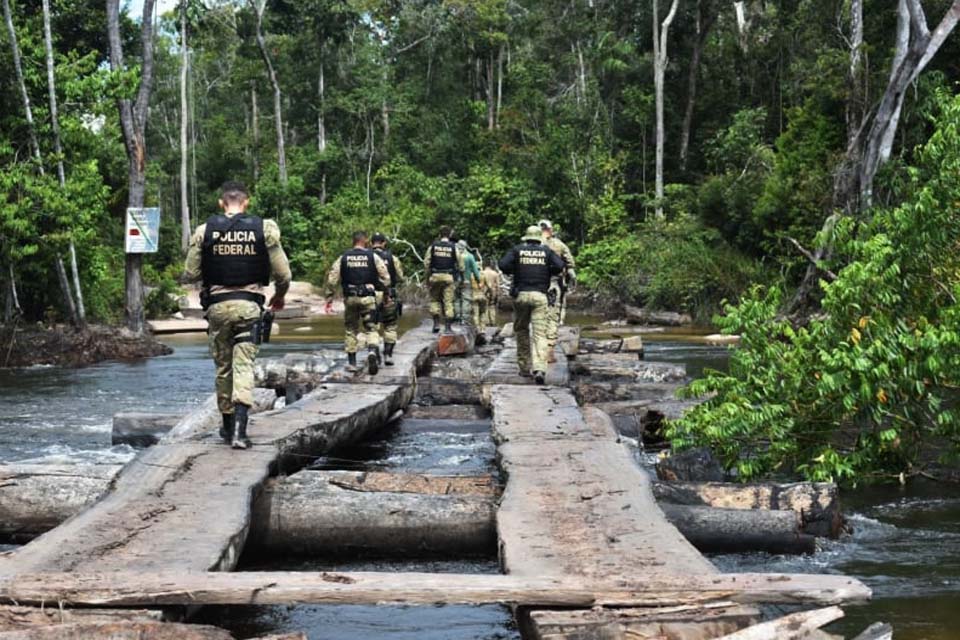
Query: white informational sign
column 143, row 230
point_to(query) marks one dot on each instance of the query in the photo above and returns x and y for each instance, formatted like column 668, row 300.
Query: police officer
column 559, row 285
column 443, row 262
column 236, row 255
column 360, row 273
column 387, row 301
column 490, row 283
column 532, row 265
column 470, row 287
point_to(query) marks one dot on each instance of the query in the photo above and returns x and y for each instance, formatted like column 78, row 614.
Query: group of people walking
column 236, row 255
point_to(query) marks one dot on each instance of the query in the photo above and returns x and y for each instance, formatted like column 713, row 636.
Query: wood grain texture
column 142, row 588
column 185, row 504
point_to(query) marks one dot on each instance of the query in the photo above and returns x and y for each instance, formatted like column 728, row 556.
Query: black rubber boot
column 436, row 324
column 446, row 325
column 352, row 359
column 373, row 361
column 388, row 353
column 240, row 439
column 226, row 431
column 539, row 377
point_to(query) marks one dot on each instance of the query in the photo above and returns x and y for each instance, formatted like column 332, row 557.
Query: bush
column 859, row 393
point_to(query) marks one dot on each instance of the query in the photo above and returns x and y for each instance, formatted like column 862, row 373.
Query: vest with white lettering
column 387, row 257
column 234, row 252
column 357, row 271
column 443, row 257
column 532, row 270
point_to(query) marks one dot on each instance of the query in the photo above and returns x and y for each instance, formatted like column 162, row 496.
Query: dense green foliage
column 488, row 115
column 864, row 388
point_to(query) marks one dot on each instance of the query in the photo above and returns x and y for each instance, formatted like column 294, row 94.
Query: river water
column 905, row 544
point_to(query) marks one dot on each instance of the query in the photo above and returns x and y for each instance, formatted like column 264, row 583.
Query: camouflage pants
column 489, row 308
column 228, row 322
column 470, row 313
column 359, row 323
column 480, row 312
column 555, row 315
column 442, row 289
column 389, row 319
column 530, row 328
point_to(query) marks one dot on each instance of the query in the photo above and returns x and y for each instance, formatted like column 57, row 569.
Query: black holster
column 205, row 298
column 552, row 297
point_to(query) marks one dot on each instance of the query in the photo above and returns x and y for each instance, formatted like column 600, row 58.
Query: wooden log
column 13, row 618
column 145, row 588
column 592, row 392
column 876, row 631
column 458, row 342
column 689, row 622
column 141, row 430
column 794, row 626
column 119, row 631
column 638, row 315
column 716, row 339
column 434, row 391
column 817, row 503
column 323, row 511
column 36, row 498
column 468, row 412
column 736, row 530
column 626, row 369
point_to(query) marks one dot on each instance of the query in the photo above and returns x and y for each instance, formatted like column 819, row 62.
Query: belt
column 238, row 295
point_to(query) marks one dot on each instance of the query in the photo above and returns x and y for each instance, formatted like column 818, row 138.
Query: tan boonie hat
column 533, row 233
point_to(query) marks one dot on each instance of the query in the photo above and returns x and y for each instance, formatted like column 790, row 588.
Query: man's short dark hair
column 233, row 191
column 453, row 236
column 378, row 238
column 445, row 231
column 359, row 236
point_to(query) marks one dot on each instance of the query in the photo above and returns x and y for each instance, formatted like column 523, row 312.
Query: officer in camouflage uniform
column 236, row 255
column 532, row 265
column 443, row 262
column 387, row 301
column 559, row 285
column 490, row 283
column 361, row 274
column 470, row 290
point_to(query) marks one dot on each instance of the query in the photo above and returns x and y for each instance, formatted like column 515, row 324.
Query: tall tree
column 705, row 15
column 81, row 313
column 660, row 33
column 133, row 123
column 184, row 130
column 21, row 83
column 259, row 7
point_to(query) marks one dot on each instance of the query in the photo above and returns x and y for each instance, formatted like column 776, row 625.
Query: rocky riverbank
column 24, row 346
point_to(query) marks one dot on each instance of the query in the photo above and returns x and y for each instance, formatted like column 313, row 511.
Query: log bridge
column 586, row 551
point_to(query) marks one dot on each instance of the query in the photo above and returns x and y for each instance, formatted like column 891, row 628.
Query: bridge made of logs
column 586, row 551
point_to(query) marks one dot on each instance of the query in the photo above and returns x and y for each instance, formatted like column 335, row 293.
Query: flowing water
column 905, row 545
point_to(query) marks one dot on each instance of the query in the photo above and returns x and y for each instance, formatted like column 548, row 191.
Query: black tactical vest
column 387, row 257
column 357, row 270
column 532, row 270
column 443, row 257
column 234, row 252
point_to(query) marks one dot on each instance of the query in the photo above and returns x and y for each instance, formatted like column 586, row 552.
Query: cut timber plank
column 13, row 618
column 140, row 588
column 504, row 369
column 575, row 503
column 119, row 631
column 186, row 505
column 790, row 627
column 568, row 340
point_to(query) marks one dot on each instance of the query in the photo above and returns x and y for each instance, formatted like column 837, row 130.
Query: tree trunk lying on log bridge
column 817, row 503
column 330, row 511
column 326, row 511
column 141, row 588
column 13, row 618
